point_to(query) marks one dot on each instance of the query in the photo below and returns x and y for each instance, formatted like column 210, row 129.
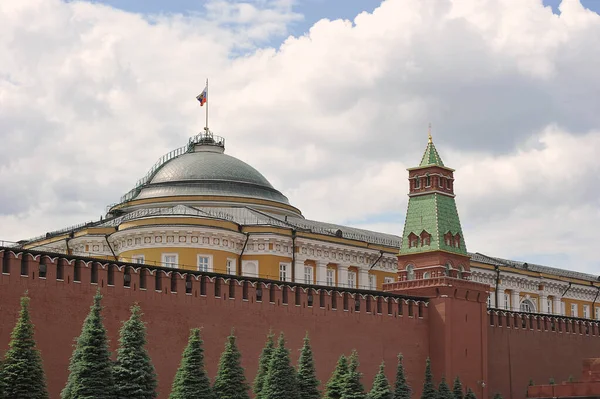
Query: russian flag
column 203, row 97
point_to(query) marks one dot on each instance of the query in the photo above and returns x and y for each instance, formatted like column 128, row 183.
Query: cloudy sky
column 329, row 99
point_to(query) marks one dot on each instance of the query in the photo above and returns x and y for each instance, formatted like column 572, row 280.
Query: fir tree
column 428, row 387
column 22, row 371
column 457, row 390
column 352, row 388
column 308, row 384
column 191, row 380
column 91, row 368
column 230, row 382
column 497, row 396
column 263, row 365
column 281, row 381
column 1, row 382
column 333, row 390
column 381, row 387
column 401, row 389
column 470, row 394
column 134, row 373
column 552, row 381
column 444, row 391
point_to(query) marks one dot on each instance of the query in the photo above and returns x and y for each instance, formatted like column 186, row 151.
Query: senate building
column 200, row 209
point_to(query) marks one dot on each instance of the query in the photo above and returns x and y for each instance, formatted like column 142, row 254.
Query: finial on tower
column 430, row 139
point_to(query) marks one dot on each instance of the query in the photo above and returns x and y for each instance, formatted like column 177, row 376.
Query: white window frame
column 351, row 279
column 573, row 310
column 230, row 266
column 209, row 265
column 372, row 282
column 586, row 311
column 284, row 271
column 139, row 259
column 388, row 280
column 597, row 312
column 330, row 277
column 506, row 301
column 309, row 274
column 246, row 263
column 170, row 264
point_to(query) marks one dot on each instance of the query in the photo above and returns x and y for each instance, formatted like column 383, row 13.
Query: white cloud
column 91, row 96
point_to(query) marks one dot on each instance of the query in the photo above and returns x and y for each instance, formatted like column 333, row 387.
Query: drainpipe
column 71, row 235
column 595, row 298
column 497, row 284
column 110, row 247
column 239, row 265
column 378, row 259
column 567, row 290
column 293, row 255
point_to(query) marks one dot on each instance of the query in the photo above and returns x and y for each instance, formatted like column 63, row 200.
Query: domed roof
column 204, row 170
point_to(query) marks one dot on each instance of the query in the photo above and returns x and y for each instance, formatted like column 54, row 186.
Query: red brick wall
column 58, row 309
column 517, row 355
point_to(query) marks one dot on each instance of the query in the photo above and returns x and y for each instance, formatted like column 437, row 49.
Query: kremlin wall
column 204, row 240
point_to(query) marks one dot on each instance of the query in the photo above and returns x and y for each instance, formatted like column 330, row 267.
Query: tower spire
column 430, row 139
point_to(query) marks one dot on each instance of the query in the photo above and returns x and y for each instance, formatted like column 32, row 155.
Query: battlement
column 42, row 268
column 543, row 322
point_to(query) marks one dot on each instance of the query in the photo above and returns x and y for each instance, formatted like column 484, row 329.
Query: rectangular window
column 417, row 182
column 506, row 301
column 549, row 306
column 139, row 259
column 586, row 311
column 372, row 282
column 283, row 272
column 231, row 266
column 388, row 280
column 330, row 277
column 308, row 275
column 204, row 263
column 169, row 260
column 597, row 312
column 352, row 279
column 573, row 310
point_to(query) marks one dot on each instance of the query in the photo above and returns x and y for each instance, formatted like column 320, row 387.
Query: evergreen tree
column 428, row 387
column 263, row 365
column 457, row 390
column 470, row 394
column 444, row 391
column 191, row 380
column 381, row 387
column 22, row 371
column 497, row 396
column 281, row 381
column 1, row 382
column 401, row 389
column 552, row 381
column 91, row 368
column 134, row 373
column 308, row 384
column 333, row 390
column 352, row 388
column 230, row 382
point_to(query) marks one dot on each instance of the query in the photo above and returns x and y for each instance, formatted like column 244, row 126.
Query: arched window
column 527, row 306
column 425, row 238
column 410, row 272
column 426, row 275
column 461, row 270
column 448, row 268
column 413, row 240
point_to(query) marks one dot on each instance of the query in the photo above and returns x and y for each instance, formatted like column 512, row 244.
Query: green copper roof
column 437, row 215
column 431, row 156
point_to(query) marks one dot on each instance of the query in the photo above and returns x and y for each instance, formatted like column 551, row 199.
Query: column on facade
column 299, row 270
column 342, row 275
column 543, row 307
column 556, row 305
column 515, row 300
column 363, row 278
column 321, row 273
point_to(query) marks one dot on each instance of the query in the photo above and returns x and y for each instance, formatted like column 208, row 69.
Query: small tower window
column 448, row 239
column 428, row 181
column 417, row 182
column 425, row 238
column 413, row 240
column 457, row 240
column 410, row 272
column 440, row 182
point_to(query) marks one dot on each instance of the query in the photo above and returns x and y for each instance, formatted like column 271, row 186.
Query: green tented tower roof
column 431, row 156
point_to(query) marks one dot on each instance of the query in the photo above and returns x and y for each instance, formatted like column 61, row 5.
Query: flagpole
column 206, row 126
